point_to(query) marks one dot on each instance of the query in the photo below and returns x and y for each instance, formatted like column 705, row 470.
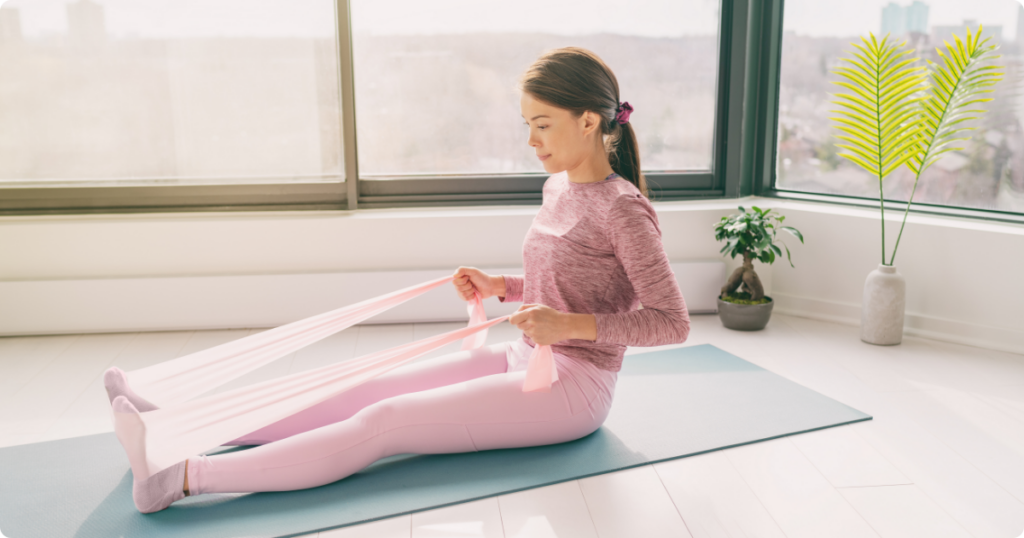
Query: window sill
column 918, row 212
column 358, row 214
column 928, row 215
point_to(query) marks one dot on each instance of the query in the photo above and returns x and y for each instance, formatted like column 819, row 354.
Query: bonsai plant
column 899, row 115
column 750, row 234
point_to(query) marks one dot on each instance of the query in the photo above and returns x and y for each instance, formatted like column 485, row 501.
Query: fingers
column 463, row 282
column 464, row 273
column 466, row 294
column 521, row 315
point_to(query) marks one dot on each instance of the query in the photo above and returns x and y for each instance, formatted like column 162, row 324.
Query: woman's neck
column 591, row 170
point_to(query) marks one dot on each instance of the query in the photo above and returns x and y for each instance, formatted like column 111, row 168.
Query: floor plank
column 797, row 496
column 846, row 459
column 1008, row 399
column 903, row 511
column 558, row 510
column 393, row 527
column 24, row 357
column 969, row 496
column 36, row 405
column 713, row 500
column 632, row 502
column 984, row 436
column 475, row 519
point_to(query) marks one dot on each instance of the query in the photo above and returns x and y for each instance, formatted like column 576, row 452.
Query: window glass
column 435, row 81
column 168, row 91
column 988, row 173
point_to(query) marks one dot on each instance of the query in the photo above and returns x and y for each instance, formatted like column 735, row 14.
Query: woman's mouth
column 543, row 157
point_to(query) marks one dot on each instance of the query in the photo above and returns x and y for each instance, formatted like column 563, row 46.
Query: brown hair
column 576, row 79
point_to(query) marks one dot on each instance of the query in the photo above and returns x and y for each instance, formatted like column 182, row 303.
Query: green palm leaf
column 884, row 85
column 955, row 85
column 879, row 118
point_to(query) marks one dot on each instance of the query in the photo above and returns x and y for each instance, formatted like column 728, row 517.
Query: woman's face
column 560, row 140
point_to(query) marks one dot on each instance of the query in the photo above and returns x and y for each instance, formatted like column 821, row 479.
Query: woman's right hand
column 469, row 278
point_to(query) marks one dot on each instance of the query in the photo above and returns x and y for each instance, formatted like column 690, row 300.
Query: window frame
column 731, row 141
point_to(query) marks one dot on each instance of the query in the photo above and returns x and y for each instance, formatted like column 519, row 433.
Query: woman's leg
column 446, row 370
column 483, row 413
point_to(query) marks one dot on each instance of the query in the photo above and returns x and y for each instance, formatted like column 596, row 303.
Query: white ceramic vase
column 881, row 313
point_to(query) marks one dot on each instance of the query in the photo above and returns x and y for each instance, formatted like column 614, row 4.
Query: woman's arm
column 636, row 239
column 513, row 288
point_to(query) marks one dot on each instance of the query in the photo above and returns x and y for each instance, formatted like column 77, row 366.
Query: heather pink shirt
column 595, row 248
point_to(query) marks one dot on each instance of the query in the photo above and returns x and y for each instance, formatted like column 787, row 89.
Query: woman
column 592, row 254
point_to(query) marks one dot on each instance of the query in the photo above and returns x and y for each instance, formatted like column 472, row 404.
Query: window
column 987, row 174
column 126, row 91
column 435, row 81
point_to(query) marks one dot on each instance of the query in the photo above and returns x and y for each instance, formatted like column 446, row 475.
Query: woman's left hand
column 543, row 324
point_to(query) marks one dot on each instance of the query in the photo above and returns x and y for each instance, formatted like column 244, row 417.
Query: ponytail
column 624, row 155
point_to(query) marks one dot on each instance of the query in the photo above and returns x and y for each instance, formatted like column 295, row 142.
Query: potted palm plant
column 750, row 234
column 900, row 114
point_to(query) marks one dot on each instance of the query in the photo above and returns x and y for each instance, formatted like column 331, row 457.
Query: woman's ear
column 591, row 122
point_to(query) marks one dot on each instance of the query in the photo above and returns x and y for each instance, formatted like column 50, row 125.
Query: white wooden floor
column 943, row 457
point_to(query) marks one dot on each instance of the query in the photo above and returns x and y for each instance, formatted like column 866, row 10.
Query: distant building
column 86, row 24
column 917, row 17
column 10, row 26
column 945, row 33
column 899, row 20
column 894, row 20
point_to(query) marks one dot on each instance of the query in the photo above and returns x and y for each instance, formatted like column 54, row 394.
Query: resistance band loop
column 186, row 425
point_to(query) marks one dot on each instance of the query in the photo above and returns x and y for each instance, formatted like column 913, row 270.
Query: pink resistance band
column 185, row 425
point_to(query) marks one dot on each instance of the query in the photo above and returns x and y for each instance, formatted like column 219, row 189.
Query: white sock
column 160, row 490
column 116, row 382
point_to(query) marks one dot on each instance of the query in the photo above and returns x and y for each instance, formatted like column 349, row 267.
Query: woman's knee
column 398, row 426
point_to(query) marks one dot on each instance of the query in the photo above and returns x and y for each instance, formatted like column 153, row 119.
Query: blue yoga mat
column 668, row 404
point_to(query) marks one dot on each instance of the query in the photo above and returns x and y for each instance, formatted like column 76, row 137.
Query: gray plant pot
column 745, row 317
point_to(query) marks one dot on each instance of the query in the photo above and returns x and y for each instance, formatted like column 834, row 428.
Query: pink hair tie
column 622, row 112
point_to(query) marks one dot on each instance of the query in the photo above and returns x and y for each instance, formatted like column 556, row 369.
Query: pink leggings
column 462, row 402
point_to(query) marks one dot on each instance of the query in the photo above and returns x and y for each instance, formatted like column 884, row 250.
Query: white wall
column 961, row 273
column 116, row 273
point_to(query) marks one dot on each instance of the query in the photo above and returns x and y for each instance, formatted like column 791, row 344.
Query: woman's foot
column 116, row 382
column 155, row 492
column 160, row 490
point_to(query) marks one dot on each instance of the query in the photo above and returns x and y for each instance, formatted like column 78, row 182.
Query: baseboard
column 914, row 324
column 255, row 301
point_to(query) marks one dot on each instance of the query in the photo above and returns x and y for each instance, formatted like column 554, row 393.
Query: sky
column 315, row 18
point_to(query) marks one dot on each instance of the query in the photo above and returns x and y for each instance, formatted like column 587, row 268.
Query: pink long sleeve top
column 595, row 248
